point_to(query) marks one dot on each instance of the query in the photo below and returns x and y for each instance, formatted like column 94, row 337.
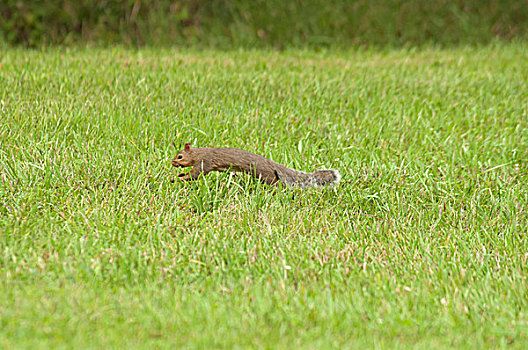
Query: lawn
column 423, row 244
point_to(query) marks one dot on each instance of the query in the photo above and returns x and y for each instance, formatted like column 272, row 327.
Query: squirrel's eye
column 180, row 157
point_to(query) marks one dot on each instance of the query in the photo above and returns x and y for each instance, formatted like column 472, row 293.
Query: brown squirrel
column 205, row 160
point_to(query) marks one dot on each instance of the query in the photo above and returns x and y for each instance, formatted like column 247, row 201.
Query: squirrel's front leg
column 193, row 175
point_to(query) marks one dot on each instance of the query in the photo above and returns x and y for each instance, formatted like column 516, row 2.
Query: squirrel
column 205, row 160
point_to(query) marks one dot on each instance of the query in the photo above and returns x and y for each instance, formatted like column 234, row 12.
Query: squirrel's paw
column 183, row 177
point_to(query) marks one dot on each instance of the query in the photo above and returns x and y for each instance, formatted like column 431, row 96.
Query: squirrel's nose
column 173, row 163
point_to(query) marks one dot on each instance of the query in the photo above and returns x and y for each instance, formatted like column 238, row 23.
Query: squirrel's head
column 183, row 158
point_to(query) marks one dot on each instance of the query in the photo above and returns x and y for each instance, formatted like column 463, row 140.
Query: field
column 423, row 244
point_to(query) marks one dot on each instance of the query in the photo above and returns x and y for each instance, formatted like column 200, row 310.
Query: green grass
column 424, row 243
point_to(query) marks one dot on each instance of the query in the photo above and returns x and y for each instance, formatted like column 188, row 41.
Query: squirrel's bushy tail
column 318, row 178
column 329, row 177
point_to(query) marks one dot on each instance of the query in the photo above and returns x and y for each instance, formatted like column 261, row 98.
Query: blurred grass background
column 228, row 24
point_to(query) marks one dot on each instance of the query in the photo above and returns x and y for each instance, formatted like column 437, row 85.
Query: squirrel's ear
column 187, row 146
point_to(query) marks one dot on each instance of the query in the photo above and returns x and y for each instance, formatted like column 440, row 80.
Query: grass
column 423, row 244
